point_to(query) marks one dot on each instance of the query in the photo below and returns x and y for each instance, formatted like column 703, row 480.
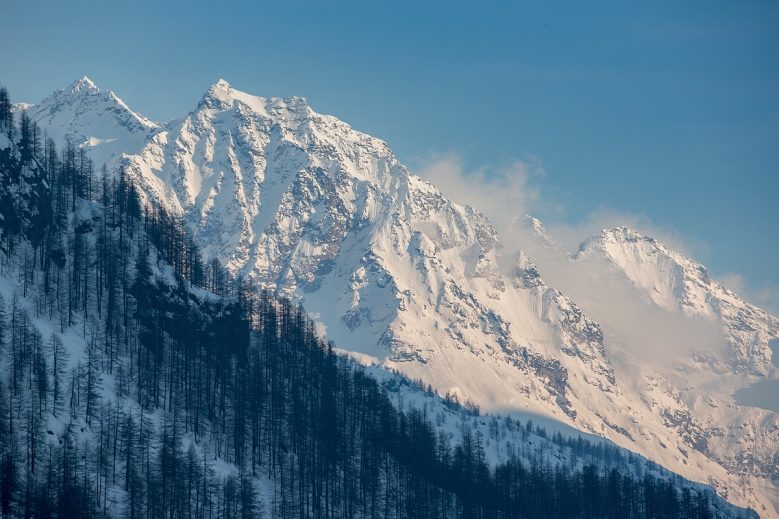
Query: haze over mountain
column 643, row 348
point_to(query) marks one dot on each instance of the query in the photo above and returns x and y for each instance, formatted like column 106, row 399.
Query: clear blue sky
column 668, row 110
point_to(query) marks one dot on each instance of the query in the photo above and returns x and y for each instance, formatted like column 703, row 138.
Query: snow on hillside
column 395, row 271
column 20, row 107
column 95, row 119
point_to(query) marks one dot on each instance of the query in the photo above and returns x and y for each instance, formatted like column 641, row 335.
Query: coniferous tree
column 6, row 113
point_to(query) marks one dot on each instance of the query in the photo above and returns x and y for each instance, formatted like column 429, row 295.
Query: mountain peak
column 541, row 237
column 617, row 236
column 220, row 95
column 536, row 227
column 623, row 233
column 220, row 87
column 20, row 107
column 95, row 119
column 82, row 84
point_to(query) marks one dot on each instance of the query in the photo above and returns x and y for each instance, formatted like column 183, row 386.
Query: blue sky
column 661, row 115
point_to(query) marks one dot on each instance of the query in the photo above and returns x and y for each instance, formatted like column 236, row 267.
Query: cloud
column 500, row 192
column 628, row 317
column 513, row 189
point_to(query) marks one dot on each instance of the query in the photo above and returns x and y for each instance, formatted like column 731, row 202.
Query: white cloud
column 501, row 193
column 513, row 189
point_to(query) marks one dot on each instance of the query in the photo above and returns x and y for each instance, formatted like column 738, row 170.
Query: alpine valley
column 625, row 340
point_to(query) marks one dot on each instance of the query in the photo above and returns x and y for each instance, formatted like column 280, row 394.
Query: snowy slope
column 709, row 374
column 95, row 119
column 395, row 271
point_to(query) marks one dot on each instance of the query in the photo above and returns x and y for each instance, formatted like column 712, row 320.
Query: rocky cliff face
column 414, row 282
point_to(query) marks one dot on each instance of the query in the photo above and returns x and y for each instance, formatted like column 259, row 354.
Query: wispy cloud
column 514, row 188
column 500, row 192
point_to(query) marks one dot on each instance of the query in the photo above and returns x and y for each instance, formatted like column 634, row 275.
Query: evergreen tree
column 6, row 113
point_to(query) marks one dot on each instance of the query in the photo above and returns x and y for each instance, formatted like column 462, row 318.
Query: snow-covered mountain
column 95, row 119
column 410, row 280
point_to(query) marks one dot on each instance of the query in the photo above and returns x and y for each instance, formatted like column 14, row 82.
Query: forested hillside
column 139, row 381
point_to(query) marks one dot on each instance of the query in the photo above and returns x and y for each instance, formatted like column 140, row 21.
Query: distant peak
column 540, row 235
column 220, row 95
column 20, row 107
column 619, row 236
column 83, row 83
column 533, row 223
column 82, row 103
column 219, row 89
